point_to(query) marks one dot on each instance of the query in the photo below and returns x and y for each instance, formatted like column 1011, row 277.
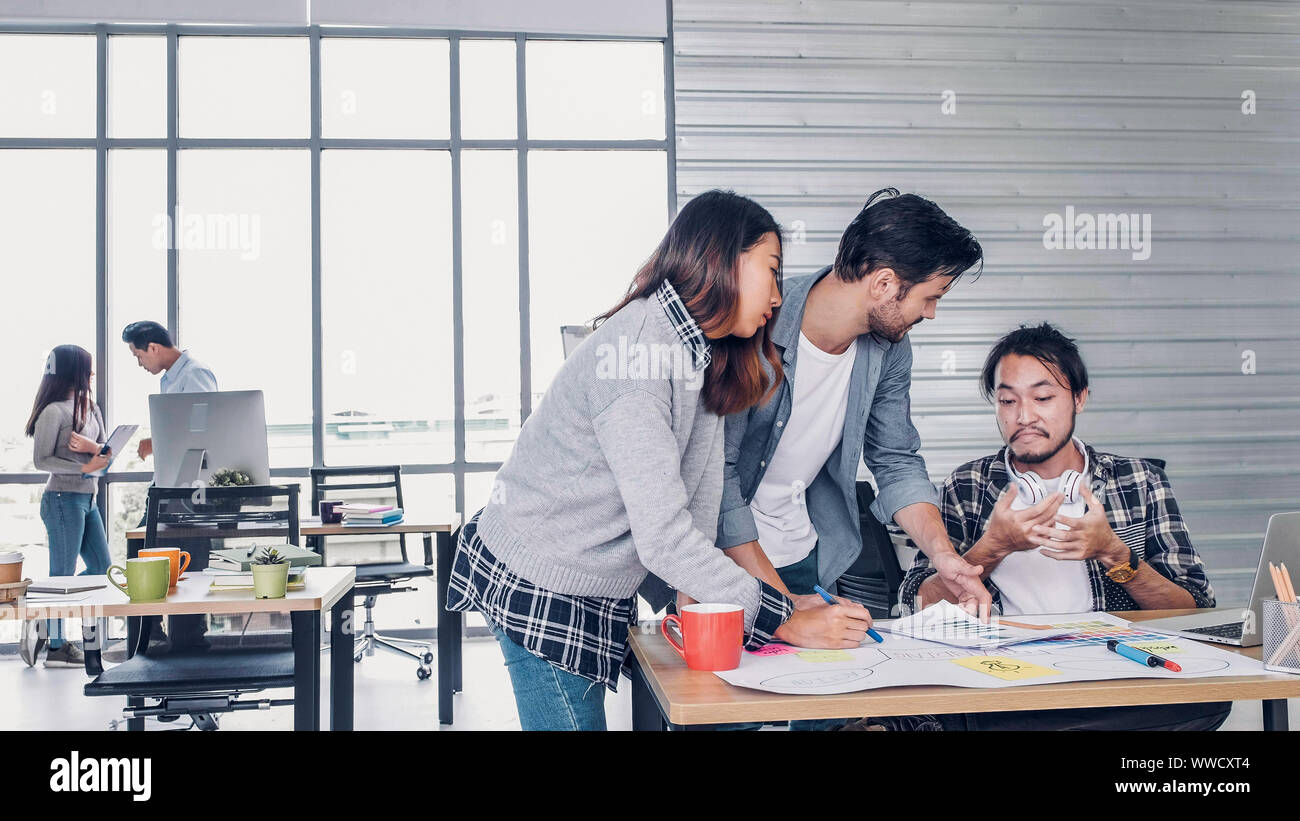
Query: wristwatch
column 1122, row 573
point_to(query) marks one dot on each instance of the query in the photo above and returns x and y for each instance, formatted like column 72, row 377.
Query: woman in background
column 67, row 429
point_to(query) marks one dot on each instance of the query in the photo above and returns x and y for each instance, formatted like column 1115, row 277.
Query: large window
column 383, row 232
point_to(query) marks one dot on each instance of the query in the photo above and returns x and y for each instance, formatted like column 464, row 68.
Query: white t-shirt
column 814, row 429
column 1033, row 583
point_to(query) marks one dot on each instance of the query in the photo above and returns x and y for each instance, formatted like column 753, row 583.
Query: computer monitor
column 196, row 434
column 571, row 337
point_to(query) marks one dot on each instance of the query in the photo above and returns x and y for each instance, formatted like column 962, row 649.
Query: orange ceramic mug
column 712, row 635
column 174, row 554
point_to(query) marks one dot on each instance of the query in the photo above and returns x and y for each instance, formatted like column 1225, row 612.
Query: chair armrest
column 428, row 550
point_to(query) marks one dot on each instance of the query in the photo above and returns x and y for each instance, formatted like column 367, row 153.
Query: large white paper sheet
column 899, row 661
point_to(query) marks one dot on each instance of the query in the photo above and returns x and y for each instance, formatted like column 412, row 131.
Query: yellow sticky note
column 1159, row 648
column 825, row 655
column 1005, row 669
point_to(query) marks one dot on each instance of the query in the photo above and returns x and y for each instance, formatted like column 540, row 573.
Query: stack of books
column 359, row 515
column 240, row 559
column 223, row 580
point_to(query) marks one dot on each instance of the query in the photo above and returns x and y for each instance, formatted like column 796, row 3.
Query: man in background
column 152, row 347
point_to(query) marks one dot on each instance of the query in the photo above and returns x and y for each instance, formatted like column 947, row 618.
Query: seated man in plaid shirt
column 1126, row 546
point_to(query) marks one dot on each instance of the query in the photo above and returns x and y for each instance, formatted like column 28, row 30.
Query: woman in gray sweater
column 618, row 473
column 67, row 431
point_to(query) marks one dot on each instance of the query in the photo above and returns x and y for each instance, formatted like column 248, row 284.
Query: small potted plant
column 228, row 477
column 270, row 574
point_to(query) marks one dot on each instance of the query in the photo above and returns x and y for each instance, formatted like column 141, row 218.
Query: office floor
column 388, row 697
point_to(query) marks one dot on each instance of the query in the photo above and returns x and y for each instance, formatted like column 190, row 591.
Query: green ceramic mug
column 147, row 578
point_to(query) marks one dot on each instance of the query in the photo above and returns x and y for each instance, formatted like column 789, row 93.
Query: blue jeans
column 547, row 697
column 72, row 528
column 800, row 577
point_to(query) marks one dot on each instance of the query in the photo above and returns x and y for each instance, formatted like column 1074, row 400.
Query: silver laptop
column 1233, row 625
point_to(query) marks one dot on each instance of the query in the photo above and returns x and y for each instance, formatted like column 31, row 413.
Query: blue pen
column 829, row 600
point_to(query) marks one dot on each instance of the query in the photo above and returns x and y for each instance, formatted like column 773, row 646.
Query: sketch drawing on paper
column 1080, row 655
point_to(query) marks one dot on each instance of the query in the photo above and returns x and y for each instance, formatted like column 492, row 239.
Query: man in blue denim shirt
column 789, row 507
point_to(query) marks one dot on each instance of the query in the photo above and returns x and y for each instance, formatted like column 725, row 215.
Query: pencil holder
column 1281, row 636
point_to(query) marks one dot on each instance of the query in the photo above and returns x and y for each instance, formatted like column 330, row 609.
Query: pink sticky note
column 774, row 649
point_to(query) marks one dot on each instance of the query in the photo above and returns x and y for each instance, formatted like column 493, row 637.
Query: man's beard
column 1038, row 459
column 887, row 321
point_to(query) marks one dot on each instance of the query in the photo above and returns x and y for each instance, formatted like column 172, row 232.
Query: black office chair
column 874, row 577
column 201, row 683
column 375, row 484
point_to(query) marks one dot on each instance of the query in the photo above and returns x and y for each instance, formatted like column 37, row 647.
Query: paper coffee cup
column 11, row 566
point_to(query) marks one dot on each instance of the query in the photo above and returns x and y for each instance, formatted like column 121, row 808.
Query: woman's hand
column 806, row 602
column 82, row 444
column 97, row 462
column 830, row 626
column 813, row 600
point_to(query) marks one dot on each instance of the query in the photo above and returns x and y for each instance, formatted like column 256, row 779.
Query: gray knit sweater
column 619, row 471
column 50, row 447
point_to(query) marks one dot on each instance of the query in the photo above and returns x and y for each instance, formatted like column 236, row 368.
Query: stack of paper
column 947, row 623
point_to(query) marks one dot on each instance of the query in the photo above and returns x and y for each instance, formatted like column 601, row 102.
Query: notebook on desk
column 63, row 585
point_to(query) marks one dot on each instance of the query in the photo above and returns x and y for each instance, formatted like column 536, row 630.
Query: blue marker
column 1142, row 656
column 829, row 600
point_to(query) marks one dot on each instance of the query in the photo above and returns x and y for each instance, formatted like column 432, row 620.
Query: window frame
column 315, row 143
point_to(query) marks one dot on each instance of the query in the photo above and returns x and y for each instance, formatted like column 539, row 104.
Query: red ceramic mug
column 712, row 635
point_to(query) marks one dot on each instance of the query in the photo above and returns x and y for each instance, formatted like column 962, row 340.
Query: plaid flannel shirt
column 1139, row 504
column 584, row 635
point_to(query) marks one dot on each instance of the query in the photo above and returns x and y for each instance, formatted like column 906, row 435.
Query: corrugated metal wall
column 1106, row 107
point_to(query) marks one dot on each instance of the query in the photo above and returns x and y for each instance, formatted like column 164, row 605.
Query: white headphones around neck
column 1030, row 487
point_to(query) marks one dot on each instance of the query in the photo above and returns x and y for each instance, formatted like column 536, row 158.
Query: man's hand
column 1088, row 537
column 963, row 580
column 828, row 626
column 82, row 444
column 145, row 449
column 1009, row 531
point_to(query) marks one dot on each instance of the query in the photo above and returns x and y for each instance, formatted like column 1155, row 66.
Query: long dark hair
column 700, row 256
column 67, row 371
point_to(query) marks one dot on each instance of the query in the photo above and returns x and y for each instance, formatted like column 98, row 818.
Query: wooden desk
column 668, row 695
column 445, row 528
column 326, row 587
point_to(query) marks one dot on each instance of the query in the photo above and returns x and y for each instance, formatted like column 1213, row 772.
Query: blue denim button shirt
column 877, row 429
